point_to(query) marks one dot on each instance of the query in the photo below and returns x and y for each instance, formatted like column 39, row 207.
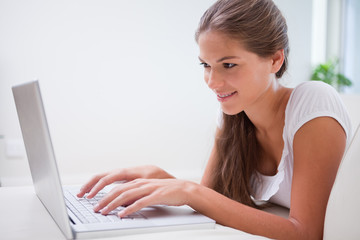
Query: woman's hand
column 141, row 193
column 98, row 182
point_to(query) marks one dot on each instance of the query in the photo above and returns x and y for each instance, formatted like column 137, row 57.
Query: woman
column 273, row 143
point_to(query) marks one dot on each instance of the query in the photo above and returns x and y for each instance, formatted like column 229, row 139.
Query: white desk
column 22, row 216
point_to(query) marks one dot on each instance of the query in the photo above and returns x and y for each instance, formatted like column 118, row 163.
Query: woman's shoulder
column 314, row 99
column 312, row 89
column 310, row 97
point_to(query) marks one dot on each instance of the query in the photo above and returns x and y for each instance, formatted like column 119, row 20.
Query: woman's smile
column 222, row 97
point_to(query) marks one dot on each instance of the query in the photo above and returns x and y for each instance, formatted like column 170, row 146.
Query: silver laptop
column 67, row 210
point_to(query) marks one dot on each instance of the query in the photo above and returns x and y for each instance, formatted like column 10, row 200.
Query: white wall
column 121, row 81
column 351, row 49
column 299, row 17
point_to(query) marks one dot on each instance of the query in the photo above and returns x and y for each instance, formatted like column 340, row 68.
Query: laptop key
column 114, row 218
column 83, row 209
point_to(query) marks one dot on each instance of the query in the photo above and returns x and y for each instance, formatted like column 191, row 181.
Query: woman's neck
column 268, row 112
column 268, row 116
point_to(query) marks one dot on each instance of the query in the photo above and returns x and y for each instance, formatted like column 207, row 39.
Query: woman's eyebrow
column 226, row 58
column 222, row 59
column 201, row 59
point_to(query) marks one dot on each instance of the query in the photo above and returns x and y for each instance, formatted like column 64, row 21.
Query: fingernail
column 104, row 210
column 96, row 207
column 121, row 213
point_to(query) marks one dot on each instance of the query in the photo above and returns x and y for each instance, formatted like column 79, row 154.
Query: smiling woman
column 127, row 85
column 252, row 61
column 241, row 68
column 273, row 144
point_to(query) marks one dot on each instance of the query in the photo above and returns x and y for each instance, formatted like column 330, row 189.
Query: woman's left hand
column 141, row 193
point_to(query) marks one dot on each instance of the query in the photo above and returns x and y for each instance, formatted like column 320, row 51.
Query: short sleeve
column 311, row 100
column 308, row 100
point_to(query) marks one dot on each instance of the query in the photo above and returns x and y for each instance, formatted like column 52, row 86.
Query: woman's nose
column 213, row 80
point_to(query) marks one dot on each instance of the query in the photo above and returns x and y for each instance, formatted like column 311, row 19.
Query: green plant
column 329, row 73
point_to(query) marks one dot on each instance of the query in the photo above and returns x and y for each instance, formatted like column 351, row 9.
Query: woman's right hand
column 98, row 182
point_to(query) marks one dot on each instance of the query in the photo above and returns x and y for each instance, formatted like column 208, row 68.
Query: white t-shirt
column 307, row 101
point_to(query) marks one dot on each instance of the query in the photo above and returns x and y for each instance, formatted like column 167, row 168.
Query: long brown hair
column 260, row 27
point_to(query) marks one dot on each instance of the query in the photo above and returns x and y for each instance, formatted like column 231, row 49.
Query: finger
column 109, row 197
column 127, row 196
column 137, row 206
column 88, row 186
column 115, row 192
column 101, row 183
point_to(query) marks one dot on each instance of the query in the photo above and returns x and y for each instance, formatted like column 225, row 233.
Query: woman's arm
column 318, row 149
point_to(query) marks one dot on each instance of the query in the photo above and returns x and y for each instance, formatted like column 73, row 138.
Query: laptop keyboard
column 82, row 208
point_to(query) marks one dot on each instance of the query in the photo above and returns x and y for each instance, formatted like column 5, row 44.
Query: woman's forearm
column 236, row 215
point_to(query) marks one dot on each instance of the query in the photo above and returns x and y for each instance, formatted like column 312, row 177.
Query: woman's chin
column 231, row 112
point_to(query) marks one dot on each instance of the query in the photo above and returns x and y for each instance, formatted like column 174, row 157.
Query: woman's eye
column 229, row 65
column 205, row 65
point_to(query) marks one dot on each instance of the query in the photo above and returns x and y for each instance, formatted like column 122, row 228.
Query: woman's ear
column 277, row 60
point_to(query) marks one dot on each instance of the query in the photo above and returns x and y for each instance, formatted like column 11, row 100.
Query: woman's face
column 238, row 77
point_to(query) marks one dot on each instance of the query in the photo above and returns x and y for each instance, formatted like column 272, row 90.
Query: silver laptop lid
column 40, row 153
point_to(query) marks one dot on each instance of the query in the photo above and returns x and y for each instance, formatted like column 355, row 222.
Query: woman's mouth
column 225, row 97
